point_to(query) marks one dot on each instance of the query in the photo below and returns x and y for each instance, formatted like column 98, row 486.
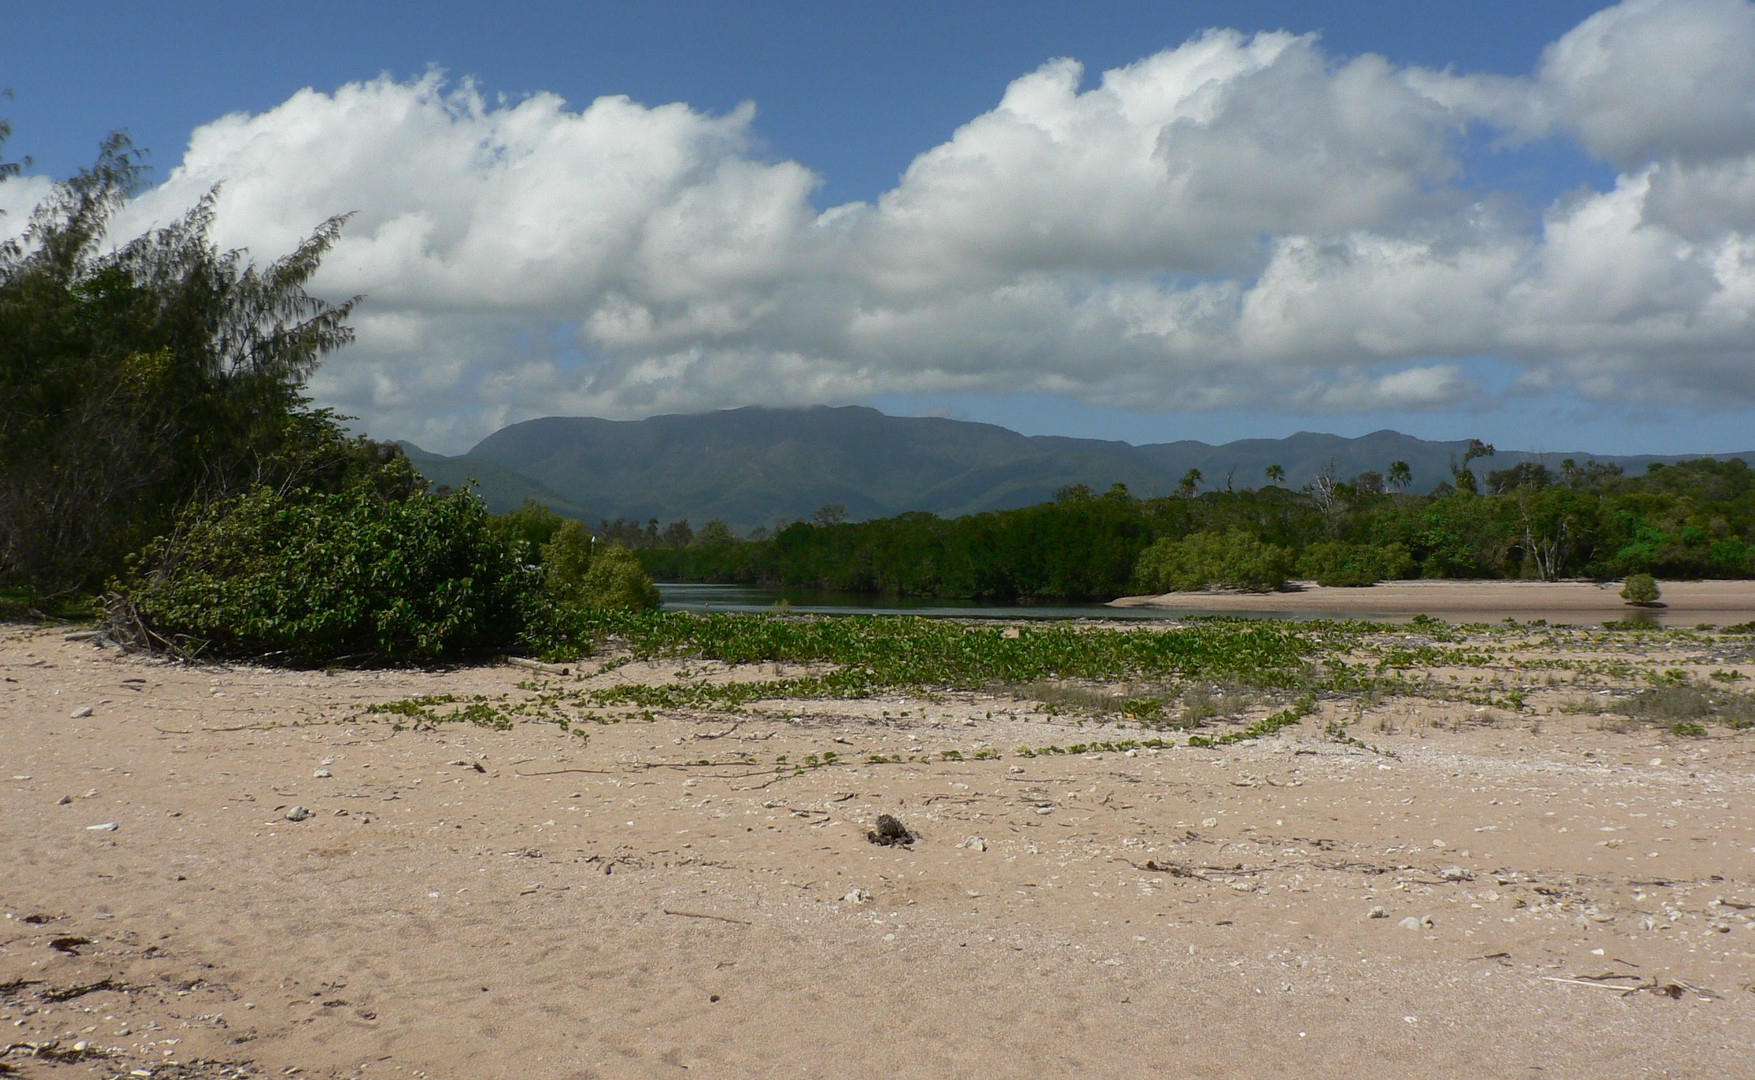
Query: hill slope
column 755, row 465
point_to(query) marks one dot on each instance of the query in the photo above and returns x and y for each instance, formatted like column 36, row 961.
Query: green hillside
column 755, row 466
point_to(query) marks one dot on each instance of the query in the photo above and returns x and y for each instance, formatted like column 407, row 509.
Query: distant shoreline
column 1685, row 603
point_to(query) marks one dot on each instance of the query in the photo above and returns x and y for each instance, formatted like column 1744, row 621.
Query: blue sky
column 920, row 215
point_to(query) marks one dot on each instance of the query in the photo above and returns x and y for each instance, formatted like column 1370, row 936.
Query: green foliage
column 145, row 378
column 532, row 524
column 902, row 650
column 615, row 580
column 1333, row 562
column 1640, row 590
column 1695, row 519
column 566, row 559
column 1235, row 559
column 311, row 578
column 715, row 533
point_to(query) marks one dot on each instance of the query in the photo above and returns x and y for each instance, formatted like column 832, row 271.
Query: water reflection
column 750, row 599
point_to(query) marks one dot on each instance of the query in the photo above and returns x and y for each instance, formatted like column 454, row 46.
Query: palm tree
column 1275, row 474
column 1400, row 476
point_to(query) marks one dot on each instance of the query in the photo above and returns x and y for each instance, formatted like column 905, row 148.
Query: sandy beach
column 1510, row 881
column 1685, row 603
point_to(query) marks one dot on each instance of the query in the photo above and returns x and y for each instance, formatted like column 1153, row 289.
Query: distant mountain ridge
column 753, row 466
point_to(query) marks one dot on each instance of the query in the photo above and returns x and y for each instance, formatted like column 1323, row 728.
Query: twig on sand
column 1673, row 988
column 703, row 915
column 1189, row 870
column 650, row 765
column 538, row 665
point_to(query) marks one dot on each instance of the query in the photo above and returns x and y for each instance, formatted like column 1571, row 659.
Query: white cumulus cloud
column 1238, row 222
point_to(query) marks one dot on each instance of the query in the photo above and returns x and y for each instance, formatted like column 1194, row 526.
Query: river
column 678, row 596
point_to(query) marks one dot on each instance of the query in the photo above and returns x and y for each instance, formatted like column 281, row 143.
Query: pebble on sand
column 297, row 813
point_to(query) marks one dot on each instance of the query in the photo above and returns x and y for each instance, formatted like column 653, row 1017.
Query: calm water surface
column 753, row 599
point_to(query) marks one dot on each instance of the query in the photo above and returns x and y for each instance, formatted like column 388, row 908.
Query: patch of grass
column 1107, row 746
column 1676, row 705
column 1267, row 725
column 910, row 651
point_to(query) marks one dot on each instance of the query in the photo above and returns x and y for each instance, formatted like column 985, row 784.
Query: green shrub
column 566, row 558
column 615, row 579
column 345, row 578
column 533, row 523
column 1332, row 562
column 1235, row 559
column 1640, row 590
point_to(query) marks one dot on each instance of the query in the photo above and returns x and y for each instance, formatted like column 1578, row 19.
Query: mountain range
column 755, row 466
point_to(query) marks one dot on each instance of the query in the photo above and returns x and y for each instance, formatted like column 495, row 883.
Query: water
column 751, row 599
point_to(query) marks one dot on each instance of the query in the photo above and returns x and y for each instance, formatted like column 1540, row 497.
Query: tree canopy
column 144, row 376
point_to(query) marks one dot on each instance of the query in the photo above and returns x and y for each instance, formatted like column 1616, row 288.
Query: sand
column 466, row 902
column 1685, row 603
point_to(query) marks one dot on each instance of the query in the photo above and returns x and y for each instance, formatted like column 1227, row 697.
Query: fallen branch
column 538, row 665
column 1672, row 989
column 703, row 915
column 214, row 730
column 1185, row 870
column 80, row 991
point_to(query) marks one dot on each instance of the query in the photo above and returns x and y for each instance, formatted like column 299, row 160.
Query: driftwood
column 704, row 915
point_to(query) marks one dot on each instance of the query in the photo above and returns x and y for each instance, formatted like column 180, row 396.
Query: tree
column 566, row 559
column 151, row 377
column 1400, row 476
column 1235, row 559
column 1640, row 590
column 616, row 580
column 1275, row 474
column 829, row 514
column 1189, row 482
column 1461, row 474
column 714, row 533
column 532, row 524
column 1325, row 490
column 1525, row 475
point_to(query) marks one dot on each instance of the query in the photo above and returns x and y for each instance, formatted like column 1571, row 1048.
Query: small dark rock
column 890, row 832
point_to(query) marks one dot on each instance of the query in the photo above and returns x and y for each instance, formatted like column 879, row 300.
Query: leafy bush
column 533, row 523
column 581, row 573
column 143, row 376
column 1332, row 562
column 565, row 559
column 616, row 580
column 321, row 578
column 1236, row 559
column 1640, row 590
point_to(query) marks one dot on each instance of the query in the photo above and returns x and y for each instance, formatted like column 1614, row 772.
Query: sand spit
column 1685, row 603
column 1510, row 888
